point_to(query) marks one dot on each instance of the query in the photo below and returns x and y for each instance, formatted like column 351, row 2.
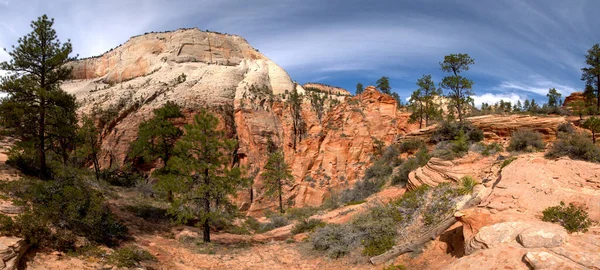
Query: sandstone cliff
column 250, row 94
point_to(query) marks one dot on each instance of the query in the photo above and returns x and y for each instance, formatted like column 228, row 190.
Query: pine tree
column 591, row 73
column 276, row 176
column 383, row 84
column 554, row 98
column 459, row 87
column 359, row 88
column 201, row 176
column 593, row 124
column 423, row 107
column 157, row 137
column 88, row 146
column 36, row 70
column 298, row 124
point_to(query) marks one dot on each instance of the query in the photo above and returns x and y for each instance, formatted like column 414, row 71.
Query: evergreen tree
column 359, row 88
column 554, row 98
column 519, row 106
column 579, row 108
column 34, row 100
column 533, row 107
column 383, row 84
column 397, row 98
column 298, row 124
column 593, row 124
column 157, row 136
column 88, row 146
column 589, row 96
column 527, row 105
column 276, row 176
column 201, row 176
column 459, row 87
column 423, row 107
column 591, row 73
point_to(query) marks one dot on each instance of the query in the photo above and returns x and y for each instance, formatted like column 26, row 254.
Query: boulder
column 546, row 237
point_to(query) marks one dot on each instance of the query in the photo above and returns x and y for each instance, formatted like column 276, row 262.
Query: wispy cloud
column 490, row 98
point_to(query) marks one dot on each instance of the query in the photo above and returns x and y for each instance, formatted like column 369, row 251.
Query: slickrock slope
column 438, row 171
column 249, row 93
column 500, row 127
column 505, row 230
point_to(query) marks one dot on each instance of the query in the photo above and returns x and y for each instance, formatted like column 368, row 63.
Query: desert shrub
column 395, row 267
column 307, row 225
column 67, row 206
column 576, row 146
column 274, row 223
column 411, row 146
column 566, row 127
column 526, row 140
column 390, row 155
column 378, row 170
column 448, row 130
column 441, row 204
column 129, row 256
column 467, row 183
column 119, row 177
column 7, row 225
column 301, row 213
column 336, row 240
column 377, row 229
column 411, row 202
column 148, row 212
column 487, row 149
column 507, row 161
column 361, row 190
column 252, row 224
column 443, row 150
column 24, row 159
column 419, row 160
column 573, row 218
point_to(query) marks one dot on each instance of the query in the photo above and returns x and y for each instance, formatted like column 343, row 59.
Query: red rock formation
column 573, row 97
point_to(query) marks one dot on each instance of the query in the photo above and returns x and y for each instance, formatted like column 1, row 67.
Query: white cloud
column 491, row 98
column 537, row 85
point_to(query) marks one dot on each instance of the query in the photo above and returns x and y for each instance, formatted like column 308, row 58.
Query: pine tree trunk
column 206, row 236
column 42, row 146
column 280, row 198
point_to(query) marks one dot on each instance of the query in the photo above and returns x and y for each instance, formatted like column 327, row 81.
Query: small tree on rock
column 593, row 124
column 383, row 84
column 459, row 87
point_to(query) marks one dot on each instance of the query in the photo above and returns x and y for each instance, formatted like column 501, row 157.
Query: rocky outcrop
column 251, row 96
column 572, row 98
column 500, row 127
column 11, row 251
column 438, row 171
column 331, row 90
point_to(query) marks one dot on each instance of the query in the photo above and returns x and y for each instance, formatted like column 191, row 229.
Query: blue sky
column 521, row 48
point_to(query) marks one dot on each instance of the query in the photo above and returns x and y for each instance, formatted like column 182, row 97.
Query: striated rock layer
column 250, row 94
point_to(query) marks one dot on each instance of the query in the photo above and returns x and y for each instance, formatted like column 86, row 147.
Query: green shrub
column 252, row 224
column 526, row 140
column 441, row 204
column 489, row 149
column 460, row 144
column 411, row 146
column 395, row 267
column 409, row 165
column 576, row 146
column 443, row 150
column 411, row 202
column 566, row 127
column 378, row 170
column 148, row 212
column 274, row 223
column 68, row 207
column 307, row 225
column 507, row 161
column 301, row 213
column 7, row 225
column 467, row 183
column 573, row 218
column 336, row 240
column 447, row 131
column 121, row 178
column 129, row 256
column 361, row 190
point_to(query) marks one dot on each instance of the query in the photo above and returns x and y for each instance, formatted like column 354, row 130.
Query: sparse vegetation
column 576, row 146
column 573, row 218
column 307, row 225
column 467, row 183
column 507, row 161
column 526, row 141
column 129, row 256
